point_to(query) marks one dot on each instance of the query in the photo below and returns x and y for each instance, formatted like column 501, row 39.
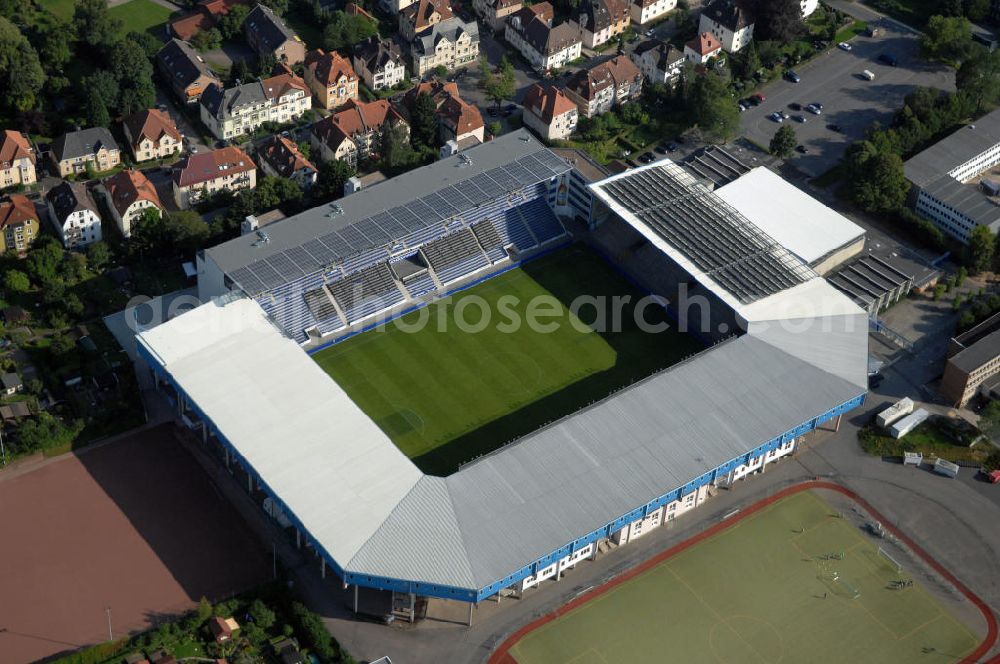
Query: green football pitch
column 791, row 583
column 447, row 393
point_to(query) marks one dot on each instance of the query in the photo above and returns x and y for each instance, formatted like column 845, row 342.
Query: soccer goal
column 887, row 557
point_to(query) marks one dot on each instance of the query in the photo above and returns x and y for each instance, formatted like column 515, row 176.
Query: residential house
column 206, row 15
column 243, row 109
column 605, row 86
column 72, row 152
column 280, row 157
column 17, row 159
column 268, row 34
column 184, row 71
column 660, row 62
column 702, row 48
column 421, row 16
column 74, row 215
column 530, row 31
column 603, row 20
column 379, row 63
column 644, row 11
column 457, row 119
column 496, row 12
column 549, row 113
column 223, row 629
column 15, row 411
column 11, row 384
column 152, row 134
column 354, row 133
column 129, row 194
column 449, row 43
column 19, row 224
column 201, row 175
column 729, row 21
column 331, row 78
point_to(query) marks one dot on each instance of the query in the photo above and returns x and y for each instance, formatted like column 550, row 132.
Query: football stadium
column 466, row 461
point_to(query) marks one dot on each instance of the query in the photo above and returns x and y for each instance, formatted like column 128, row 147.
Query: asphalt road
column 834, row 80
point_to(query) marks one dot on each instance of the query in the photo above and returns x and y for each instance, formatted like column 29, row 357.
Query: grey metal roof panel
column 967, row 199
column 434, row 552
column 300, row 229
column 954, row 150
column 586, row 470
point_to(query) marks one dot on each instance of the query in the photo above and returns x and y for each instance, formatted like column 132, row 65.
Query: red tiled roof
column 283, row 155
column 419, row 13
column 358, row 116
column 464, row 117
column 276, row 86
column 13, row 146
column 198, row 168
column 127, row 187
column 151, row 124
column 328, row 68
column 16, row 209
column 547, row 102
column 704, row 44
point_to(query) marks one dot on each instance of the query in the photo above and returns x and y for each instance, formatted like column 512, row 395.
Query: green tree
column 749, row 61
column 423, row 120
column 21, row 73
column 97, row 112
column 73, row 268
column 263, row 616
column 947, row 39
column 501, row 85
column 783, row 142
column 713, row 109
column 876, row 180
column 314, row 633
column 43, row 261
column 207, row 40
column 44, row 432
column 98, row 255
column 344, row 30
column 330, row 180
column 495, row 128
column 779, row 20
column 231, row 25
column 149, row 44
column 94, row 25
column 441, row 71
column 989, row 419
column 396, row 149
column 133, row 73
column 185, row 231
column 16, row 281
column 54, row 45
column 978, row 79
column 980, row 248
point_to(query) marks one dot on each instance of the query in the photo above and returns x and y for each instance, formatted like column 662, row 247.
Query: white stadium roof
column 365, row 504
column 802, row 224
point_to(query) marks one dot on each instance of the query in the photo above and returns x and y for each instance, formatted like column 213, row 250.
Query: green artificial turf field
column 446, row 395
column 760, row 591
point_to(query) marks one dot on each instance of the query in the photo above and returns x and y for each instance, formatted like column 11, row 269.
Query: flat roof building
column 945, row 179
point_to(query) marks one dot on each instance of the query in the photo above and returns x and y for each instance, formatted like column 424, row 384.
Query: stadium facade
column 612, row 471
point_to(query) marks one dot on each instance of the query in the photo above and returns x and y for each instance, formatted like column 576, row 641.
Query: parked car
column 792, row 76
column 650, row 32
column 844, row 46
column 868, row 75
column 835, row 127
column 889, row 59
column 817, row 105
column 510, row 107
column 795, row 106
column 647, row 157
column 801, row 149
column 776, row 117
column 660, row 149
column 800, row 119
column 784, row 115
column 815, row 110
column 743, row 106
column 757, row 98
column 671, row 146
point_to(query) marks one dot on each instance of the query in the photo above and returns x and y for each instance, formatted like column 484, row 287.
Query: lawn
column 445, row 395
column 760, row 591
column 62, row 8
column 948, row 438
column 914, row 13
column 141, row 16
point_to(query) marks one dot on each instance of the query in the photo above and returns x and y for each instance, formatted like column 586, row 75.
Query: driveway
column 833, row 79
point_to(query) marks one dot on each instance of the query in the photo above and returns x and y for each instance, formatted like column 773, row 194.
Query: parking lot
column 834, row 79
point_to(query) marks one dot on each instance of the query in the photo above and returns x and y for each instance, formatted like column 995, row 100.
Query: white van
column 868, row 75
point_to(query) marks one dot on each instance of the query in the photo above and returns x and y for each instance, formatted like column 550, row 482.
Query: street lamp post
column 111, row 636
